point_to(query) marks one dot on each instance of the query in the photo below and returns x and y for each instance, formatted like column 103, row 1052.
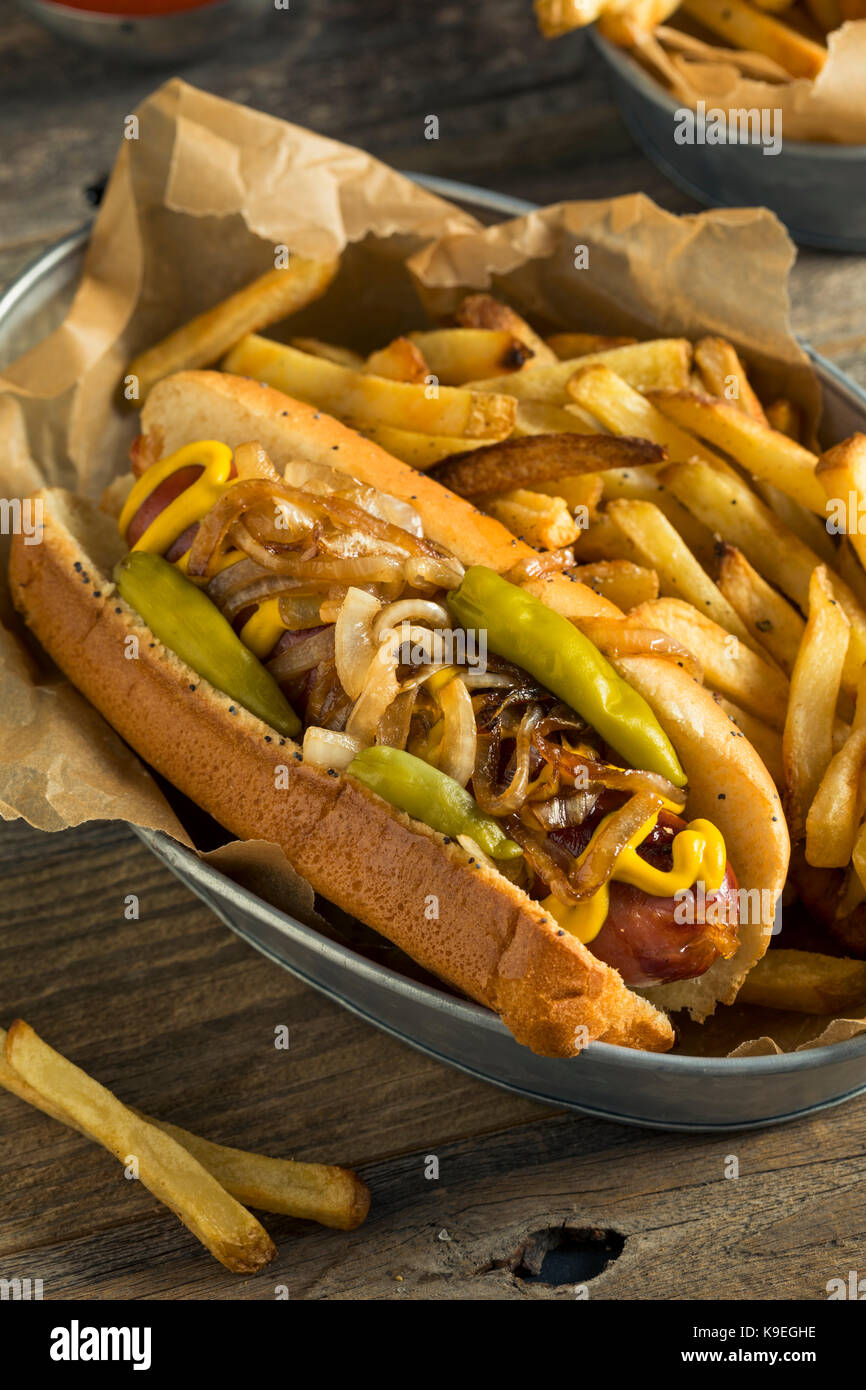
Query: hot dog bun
column 728, row 783
column 490, row 939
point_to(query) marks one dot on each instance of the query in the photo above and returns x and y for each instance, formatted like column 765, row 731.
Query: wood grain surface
column 175, row 1013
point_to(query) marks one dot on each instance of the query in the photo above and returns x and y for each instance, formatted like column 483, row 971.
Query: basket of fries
column 743, row 102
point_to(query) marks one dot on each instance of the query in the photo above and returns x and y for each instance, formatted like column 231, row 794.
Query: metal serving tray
column 659, row 1091
column 818, row 190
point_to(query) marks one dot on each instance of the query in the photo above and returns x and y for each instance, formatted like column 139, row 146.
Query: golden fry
column 373, row 400
column 458, row 355
column 569, row 345
column 807, row 742
column 483, row 311
column 543, row 522
column 269, row 299
column 760, row 450
column 805, row 982
column 723, row 373
column 166, row 1169
column 662, row 363
column 623, row 582
column 772, row 621
column 743, row 27
column 399, row 360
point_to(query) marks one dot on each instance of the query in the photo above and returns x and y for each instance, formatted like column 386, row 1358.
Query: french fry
column 835, row 813
column 483, row 311
column 773, row 6
column 540, row 417
column 766, row 741
column 729, row 666
column 399, row 360
column 805, row 982
column 645, row 485
column 760, row 450
column 622, row 410
column 580, row 493
column 743, row 27
column 543, row 522
column 842, row 475
column 756, row 65
column 807, row 741
column 772, row 621
column 568, row 345
column 662, row 363
column 373, row 400
column 624, row 583
column 334, row 1197
column 783, row 415
column 319, row 1192
column 728, row 506
column 657, row 545
column 269, row 299
column 604, row 541
column 344, row 356
column 719, row 364
column 422, row 451
column 166, row 1169
column 558, row 17
column 458, row 355
column 810, row 528
column 540, row 458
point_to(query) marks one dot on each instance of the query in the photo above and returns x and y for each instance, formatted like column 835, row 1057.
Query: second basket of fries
column 742, row 102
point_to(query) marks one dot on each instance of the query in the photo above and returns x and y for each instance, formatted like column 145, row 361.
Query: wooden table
column 178, row 1015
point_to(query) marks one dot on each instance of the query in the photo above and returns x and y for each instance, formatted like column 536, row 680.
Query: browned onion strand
column 348, row 514
column 241, row 497
column 512, row 797
column 607, row 844
column 541, row 564
column 396, row 722
column 303, row 655
column 328, row 704
column 619, row 637
column 577, row 764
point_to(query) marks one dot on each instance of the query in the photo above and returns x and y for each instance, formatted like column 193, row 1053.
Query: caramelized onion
column 355, row 643
column 235, row 501
column 511, row 798
column 457, row 758
column 411, row 610
column 540, row 564
column 379, row 689
column 302, row 656
column 580, row 766
column 608, row 843
column 324, row 748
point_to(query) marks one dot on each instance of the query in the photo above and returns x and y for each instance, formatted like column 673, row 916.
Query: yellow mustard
column 698, row 852
column 192, row 504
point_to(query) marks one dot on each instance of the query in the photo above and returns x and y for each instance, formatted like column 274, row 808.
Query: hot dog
column 556, row 803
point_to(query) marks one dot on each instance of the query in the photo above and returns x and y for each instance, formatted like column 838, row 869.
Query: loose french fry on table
column 772, row 621
column 483, row 311
column 658, row 546
column 744, row 27
column 729, row 666
column 319, row 1192
column 760, row 450
column 399, row 360
column 201, row 342
column 728, row 506
column 457, row 355
column 766, row 741
column 373, row 400
column 661, row 364
column 227, row 1229
column 807, row 741
column 806, row 982
column 723, row 372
